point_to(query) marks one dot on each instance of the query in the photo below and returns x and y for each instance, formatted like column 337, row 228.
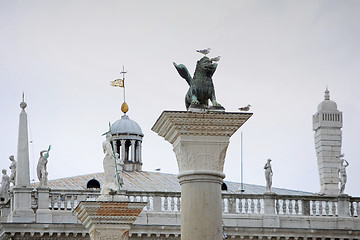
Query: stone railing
column 291, row 205
column 250, row 204
column 61, row 200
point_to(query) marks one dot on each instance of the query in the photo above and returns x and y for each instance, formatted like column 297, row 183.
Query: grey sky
column 276, row 55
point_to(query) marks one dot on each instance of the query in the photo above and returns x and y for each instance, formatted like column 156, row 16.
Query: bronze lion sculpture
column 201, row 85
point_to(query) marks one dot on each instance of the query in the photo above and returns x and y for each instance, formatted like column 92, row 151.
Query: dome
column 327, row 105
column 126, row 126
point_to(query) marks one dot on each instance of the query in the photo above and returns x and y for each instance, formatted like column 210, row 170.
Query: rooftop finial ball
column 124, row 108
column 23, row 105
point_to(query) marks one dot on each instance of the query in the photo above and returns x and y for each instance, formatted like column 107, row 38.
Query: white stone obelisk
column 200, row 141
column 21, row 203
column 327, row 124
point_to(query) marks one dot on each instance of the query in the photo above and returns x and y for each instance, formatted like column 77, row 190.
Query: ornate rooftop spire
column 327, row 94
column 23, row 103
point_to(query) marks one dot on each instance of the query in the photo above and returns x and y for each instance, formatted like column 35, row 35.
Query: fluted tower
column 127, row 140
column 327, row 124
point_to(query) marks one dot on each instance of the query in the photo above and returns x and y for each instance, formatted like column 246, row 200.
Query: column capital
column 110, row 220
column 172, row 124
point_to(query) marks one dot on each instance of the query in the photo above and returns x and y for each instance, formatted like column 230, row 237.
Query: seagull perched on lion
column 204, row 51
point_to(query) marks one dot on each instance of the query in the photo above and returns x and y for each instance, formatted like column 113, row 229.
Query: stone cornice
column 104, row 212
column 172, row 124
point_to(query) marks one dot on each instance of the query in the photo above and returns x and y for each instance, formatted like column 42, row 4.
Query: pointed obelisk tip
column 23, row 103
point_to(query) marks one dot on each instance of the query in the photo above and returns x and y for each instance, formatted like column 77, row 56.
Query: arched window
column 224, row 187
column 93, row 183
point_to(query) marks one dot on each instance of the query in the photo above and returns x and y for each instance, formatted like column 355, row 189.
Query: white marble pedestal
column 200, row 141
column 43, row 213
column 21, row 206
column 110, row 220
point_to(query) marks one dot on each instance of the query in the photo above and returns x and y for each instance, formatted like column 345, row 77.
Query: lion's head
column 205, row 66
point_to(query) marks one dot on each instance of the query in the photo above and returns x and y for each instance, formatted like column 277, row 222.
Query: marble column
column 200, row 141
column 109, row 220
column 137, row 159
column 140, row 152
column 123, row 149
column 133, row 150
column 21, row 204
column 115, row 147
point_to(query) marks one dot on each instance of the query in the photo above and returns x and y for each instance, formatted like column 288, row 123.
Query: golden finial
column 124, row 108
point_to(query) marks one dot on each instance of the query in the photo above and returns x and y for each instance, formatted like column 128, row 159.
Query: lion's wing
column 184, row 73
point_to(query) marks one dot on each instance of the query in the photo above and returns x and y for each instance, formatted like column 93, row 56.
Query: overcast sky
column 277, row 56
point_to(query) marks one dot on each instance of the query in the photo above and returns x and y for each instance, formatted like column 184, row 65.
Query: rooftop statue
column 5, row 186
column 12, row 169
column 268, row 175
column 41, row 168
column 342, row 173
column 109, row 186
column 201, row 85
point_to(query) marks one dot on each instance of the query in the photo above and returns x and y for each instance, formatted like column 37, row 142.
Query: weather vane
column 121, row 83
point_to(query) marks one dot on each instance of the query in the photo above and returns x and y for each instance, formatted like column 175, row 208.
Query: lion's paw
column 216, row 104
column 195, row 101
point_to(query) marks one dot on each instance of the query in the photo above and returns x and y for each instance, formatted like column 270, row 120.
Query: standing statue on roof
column 109, row 186
column 201, row 87
column 342, row 173
column 268, row 175
column 41, row 168
column 12, row 170
column 5, row 186
column 120, row 168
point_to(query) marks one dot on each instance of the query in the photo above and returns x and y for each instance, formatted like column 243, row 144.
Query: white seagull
column 204, row 51
column 245, row 109
column 215, row 59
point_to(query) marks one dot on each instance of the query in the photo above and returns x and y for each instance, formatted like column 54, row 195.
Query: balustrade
column 250, row 204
